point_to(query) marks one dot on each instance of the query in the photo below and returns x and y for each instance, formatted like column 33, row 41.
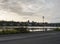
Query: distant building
column 28, row 23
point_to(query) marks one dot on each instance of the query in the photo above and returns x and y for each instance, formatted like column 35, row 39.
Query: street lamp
column 43, row 22
column 44, row 29
column 43, row 19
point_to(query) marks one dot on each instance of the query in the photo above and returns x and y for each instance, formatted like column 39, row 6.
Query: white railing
column 27, row 27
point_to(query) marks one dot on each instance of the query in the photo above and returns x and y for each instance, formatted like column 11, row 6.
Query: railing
column 29, row 27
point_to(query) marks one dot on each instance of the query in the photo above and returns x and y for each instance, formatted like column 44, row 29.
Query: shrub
column 23, row 30
column 8, row 32
column 57, row 29
column 14, row 31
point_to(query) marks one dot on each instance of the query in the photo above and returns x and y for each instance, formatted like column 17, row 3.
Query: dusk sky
column 33, row 10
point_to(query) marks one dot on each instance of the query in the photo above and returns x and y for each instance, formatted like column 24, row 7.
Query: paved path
column 31, row 38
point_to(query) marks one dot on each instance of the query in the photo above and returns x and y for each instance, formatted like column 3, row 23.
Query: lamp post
column 43, row 19
column 44, row 29
column 43, row 22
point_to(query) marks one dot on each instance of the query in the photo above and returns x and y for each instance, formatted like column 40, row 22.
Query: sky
column 33, row 10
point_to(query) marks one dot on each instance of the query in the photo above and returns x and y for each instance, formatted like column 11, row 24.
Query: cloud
column 32, row 9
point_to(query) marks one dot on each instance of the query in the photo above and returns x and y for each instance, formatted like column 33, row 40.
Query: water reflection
column 40, row 30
